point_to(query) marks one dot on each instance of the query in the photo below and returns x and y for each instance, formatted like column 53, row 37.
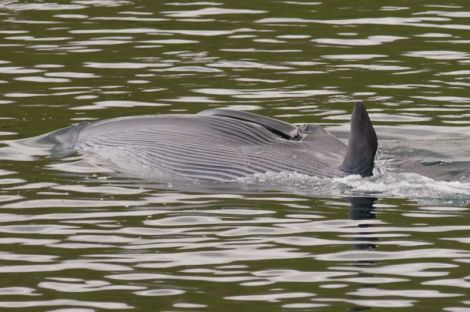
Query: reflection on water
column 77, row 237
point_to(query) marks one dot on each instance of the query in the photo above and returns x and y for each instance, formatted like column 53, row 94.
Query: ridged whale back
column 199, row 147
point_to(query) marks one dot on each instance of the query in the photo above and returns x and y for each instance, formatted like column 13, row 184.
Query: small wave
column 406, row 185
column 387, row 184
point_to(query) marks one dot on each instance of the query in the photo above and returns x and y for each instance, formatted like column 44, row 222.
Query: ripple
column 411, row 86
column 48, row 66
column 409, row 293
column 416, row 269
column 31, row 22
column 303, row 305
column 19, row 70
column 115, row 190
column 159, row 292
column 64, row 302
column 245, row 64
column 149, row 276
column 71, row 16
column 30, row 38
column 95, row 42
column 448, row 99
column 6, row 198
column 389, row 117
column 42, row 79
column 170, row 260
column 382, row 256
column 283, row 276
column 460, row 14
column 352, row 57
column 9, row 32
column 195, row 3
column 210, row 11
column 393, row 8
column 265, row 93
column 109, row 104
column 373, row 21
column 123, row 65
column 438, row 55
column 252, row 50
column 45, row 6
column 194, row 69
column 271, row 297
column 374, row 67
column 7, row 181
column 455, row 73
column 434, row 35
column 308, row 3
column 393, row 303
column 294, row 36
column 102, row 3
column 204, row 33
column 47, row 203
column 371, row 40
column 189, row 305
column 129, row 19
column 71, row 75
column 24, row 257
column 453, row 282
column 57, row 267
column 170, row 41
column 17, row 291
column 78, row 285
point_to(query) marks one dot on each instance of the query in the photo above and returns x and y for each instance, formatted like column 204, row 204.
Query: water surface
column 78, row 237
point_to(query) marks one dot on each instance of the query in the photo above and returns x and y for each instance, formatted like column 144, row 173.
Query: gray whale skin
column 221, row 145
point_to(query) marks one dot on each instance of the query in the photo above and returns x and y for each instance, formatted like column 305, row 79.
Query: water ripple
column 210, row 11
column 370, row 41
column 64, row 302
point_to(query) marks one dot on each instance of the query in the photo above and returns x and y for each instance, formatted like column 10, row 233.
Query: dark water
column 77, row 237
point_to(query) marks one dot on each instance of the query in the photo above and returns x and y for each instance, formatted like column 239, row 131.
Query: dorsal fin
column 281, row 128
column 362, row 144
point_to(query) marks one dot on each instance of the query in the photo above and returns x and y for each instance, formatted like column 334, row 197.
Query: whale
column 220, row 145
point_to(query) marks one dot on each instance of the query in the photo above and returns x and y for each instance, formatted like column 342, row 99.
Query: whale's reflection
column 362, row 208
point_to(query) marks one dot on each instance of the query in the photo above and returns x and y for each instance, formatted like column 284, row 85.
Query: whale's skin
column 203, row 147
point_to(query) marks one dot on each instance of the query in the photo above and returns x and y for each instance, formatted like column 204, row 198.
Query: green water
column 78, row 237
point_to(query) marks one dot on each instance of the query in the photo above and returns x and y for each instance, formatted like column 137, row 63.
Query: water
column 78, row 237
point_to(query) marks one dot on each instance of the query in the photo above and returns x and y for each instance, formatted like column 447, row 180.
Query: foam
column 387, row 184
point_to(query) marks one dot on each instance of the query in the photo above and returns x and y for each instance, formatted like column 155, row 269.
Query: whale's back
column 214, row 148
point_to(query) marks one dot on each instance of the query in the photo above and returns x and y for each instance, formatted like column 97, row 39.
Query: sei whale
column 221, row 145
